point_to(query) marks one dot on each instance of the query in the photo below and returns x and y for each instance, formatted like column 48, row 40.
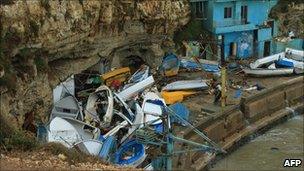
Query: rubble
column 106, row 121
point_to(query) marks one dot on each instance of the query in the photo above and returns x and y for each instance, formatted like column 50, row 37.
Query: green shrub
column 41, row 64
column 33, row 28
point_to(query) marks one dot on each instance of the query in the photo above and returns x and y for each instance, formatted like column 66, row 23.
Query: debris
column 170, row 65
column 119, row 74
column 124, row 113
column 99, row 108
column 67, row 107
column 186, row 85
column 108, row 148
column 141, row 74
column 175, row 96
column 69, row 131
column 152, row 108
column 65, row 88
column 129, row 92
column 90, row 147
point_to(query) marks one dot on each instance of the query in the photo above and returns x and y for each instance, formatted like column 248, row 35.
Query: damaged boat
column 99, row 108
column 68, row 131
column 67, row 107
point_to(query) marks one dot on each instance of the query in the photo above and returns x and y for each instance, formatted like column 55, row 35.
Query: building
column 243, row 25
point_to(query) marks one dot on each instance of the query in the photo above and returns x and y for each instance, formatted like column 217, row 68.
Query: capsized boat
column 99, row 108
column 67, row 107
column 268, row 72
column 68, row 131
column 186, row 85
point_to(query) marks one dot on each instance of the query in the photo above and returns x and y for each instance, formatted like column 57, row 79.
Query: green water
column 268, row 151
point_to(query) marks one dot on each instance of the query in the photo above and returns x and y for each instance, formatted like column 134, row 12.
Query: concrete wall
column 281, row 46
column 271, row 100
column 252, row 109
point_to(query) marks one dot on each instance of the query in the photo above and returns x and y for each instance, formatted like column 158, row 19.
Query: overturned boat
column 186, row 85
column 268, row 72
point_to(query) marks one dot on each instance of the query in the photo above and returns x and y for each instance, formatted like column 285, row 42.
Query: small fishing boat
column 269, row 72
column 120, row 74
column 67, row 107
column 68, row 131
column 131, row 154
column 99, row 108
column 186, row 85
column 170, row 65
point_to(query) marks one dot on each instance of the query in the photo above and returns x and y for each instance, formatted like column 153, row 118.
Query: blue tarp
column 180, row 110
column 284, row 63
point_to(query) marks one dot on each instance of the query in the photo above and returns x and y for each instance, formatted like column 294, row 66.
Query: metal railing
column 228, row 23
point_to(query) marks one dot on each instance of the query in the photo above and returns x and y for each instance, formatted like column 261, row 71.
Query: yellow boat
column 120, row 74
column 175, row 96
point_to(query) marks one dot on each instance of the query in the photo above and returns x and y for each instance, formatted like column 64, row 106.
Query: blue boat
column 130, row 153
column 170, row 65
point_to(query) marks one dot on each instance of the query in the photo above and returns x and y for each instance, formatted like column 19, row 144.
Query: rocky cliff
column 44, row 41
column 290, row 15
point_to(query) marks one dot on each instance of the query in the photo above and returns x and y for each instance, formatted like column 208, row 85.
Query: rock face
column 43, row 41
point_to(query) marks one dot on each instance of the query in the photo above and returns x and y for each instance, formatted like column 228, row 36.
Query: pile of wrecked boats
column 285, row 63
column 104, row 124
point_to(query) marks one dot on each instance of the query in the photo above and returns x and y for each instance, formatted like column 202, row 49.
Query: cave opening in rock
column 133, row 62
